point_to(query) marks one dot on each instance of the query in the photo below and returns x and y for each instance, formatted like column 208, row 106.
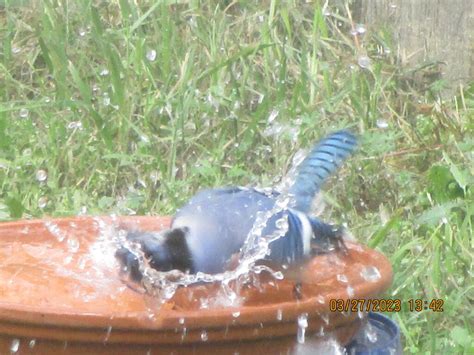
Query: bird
column 214, row 224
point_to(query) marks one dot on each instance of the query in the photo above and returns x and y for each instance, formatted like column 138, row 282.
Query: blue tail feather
column 323, row 160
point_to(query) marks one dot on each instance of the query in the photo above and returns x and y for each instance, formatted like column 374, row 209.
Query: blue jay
column 213, row 226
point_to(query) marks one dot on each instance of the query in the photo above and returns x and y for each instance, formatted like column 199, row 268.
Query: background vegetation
column 113, row 107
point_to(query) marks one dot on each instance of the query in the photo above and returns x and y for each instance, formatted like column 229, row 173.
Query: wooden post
column 427, row 30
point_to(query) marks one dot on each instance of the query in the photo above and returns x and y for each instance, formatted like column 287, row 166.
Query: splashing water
column 107, row 334
column 302, row 325
column 382, row 123
column 370, row 273
column 24, row 113
column 100, row 256
column 54, row 229
column 273, row 115
column 73, row 244
column 42, row 202
column 360, row 29
column 41, row 175
column 320, row 346
column 350, row 291
column 279, row 315
column 106, row 99
column 342, row 278
column 163, row 285
column 370, row 333
column 151, row 55
column 15, row 346
column 74, row 125
column 364, row 62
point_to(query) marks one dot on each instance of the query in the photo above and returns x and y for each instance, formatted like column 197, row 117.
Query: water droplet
column 154, row 176
column 236, row 314
column 15, row 346
column 151, row 55
column 302, row 325
column 41, row 175
column 54, row 229
column 279, row 315
column 104, row 72
column 370, row 273
column 73, row 244
column 74, row 125
column 181, row 320
column 364, row 62
column 106, row 99
column 82, row 32
column 47, row 99
column 24, row 113
column 83, row 211
column 278, row 274
column 320, row 299
column 350, row 291
column 16, row 50
column 261, row 18
column 42, row 202
column 183, row 335
column 32, row 343
column 342, row 278
column 95, row 88
column 107, row 335
column 382, row 123
column 360, row 29
column 204, row 304
column 387, row 50
column 273, row 115
column 370, row 333
column 204, row 336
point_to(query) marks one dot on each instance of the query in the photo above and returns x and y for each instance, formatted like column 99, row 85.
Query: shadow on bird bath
column 60, row 290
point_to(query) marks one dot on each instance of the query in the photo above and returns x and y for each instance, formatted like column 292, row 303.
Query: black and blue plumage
column 213, row 226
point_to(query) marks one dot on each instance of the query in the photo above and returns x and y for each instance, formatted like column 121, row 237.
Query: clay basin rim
column 62, row 274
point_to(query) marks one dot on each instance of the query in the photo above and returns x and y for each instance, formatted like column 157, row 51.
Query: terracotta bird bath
column 61, row 292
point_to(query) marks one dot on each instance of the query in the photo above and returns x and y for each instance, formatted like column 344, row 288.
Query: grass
column 129, row 108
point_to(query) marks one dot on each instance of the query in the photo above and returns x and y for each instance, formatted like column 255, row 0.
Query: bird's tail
column 323, row 160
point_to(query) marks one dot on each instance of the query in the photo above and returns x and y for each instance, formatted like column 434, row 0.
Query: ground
column 122, row 108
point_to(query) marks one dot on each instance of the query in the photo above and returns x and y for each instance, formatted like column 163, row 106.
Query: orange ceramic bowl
column 61, row 291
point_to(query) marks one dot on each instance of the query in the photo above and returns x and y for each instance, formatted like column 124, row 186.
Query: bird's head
column 165, row 251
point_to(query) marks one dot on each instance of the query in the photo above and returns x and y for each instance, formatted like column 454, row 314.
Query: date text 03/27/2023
column 385, row 305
